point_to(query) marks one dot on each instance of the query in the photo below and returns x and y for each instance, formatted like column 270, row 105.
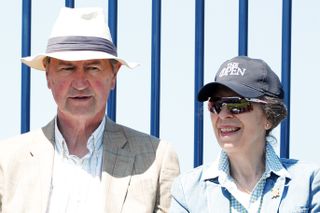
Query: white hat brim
column 36, row 62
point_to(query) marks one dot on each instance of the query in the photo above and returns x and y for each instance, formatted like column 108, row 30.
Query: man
column 82, row 161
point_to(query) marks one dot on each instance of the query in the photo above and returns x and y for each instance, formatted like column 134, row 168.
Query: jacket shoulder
column 12, row 146
column 298, row 166
column 192, row 178
column 138, row 135
column 20, row 140
column 137, row 141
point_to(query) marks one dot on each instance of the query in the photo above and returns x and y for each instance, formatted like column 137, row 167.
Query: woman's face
column 239, row 133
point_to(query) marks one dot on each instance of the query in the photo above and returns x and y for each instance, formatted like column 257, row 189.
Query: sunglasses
column 235, row 105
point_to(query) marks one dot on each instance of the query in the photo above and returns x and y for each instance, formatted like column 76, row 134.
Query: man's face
column 81, row 88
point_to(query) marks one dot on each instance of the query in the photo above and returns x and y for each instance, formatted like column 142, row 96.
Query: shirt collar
column 94, row 141
column 273, row 163
column 220, row 170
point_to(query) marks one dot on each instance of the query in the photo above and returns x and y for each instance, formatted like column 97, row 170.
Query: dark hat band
column 80, row 43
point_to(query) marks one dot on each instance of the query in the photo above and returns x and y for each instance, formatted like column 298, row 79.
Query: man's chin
column 79, row 113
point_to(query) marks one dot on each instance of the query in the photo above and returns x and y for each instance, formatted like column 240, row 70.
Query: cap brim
column 36, row 62
column 209, row 90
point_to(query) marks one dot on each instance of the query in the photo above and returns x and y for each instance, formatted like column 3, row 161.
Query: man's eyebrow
column 65, row 63
column 95, row 62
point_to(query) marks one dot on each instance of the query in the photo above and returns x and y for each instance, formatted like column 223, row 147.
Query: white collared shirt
column 75, row 183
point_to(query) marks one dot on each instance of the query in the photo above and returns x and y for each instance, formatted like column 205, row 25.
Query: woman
column 246, row 103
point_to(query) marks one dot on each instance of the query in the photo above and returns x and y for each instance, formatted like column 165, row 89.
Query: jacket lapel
column 217, row 197
column 117, row 166
column 43, row 151
column 274, row 190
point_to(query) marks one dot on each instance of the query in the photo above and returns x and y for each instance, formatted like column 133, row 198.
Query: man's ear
column 46, row 67
column 116, row 65
column 48, row 82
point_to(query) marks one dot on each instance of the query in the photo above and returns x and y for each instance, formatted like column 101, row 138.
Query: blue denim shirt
column 272, row 164
column 296, row 190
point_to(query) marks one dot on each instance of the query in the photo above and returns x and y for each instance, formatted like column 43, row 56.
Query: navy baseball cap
column 248, row 77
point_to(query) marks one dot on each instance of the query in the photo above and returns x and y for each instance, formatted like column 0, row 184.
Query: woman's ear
column 267, row 125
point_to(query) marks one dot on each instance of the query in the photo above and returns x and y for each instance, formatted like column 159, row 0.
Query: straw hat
column 78, row 34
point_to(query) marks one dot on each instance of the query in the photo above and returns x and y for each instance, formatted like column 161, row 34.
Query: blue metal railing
column 243, row 27
column 69, row 3
column 25, row 70
column 112, row 22
column 198, row 69
column 286, row 76
column 155, row 67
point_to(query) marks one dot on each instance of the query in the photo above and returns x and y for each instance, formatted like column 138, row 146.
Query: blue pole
column 69, row 3
column 155, row 67
column 199, row 61
column 286, row 74
column 112, row 22
column 243, row 27
column 25, row 70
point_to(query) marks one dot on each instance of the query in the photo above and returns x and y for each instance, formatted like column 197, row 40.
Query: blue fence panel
column 113, row 23
column 69, row 3
column 155, row 66
column 243, row 27
column 199, row 61
column 25, row 70
column 286, row 76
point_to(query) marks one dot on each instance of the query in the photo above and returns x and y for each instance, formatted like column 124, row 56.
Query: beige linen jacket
column 138, row 171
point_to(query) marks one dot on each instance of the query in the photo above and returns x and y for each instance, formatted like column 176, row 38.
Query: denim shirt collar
column 219, row 170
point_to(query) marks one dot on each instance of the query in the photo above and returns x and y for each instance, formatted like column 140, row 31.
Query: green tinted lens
column 241, row 107
column 235, row 105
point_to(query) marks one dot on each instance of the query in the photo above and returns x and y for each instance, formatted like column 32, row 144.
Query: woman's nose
column 224, row 113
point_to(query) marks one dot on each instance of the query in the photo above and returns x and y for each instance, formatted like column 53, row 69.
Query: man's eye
column 93, row 68
column 66, row 69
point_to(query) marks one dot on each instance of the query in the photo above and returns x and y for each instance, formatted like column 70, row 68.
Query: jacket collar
column 117, row 163
column 43, row 150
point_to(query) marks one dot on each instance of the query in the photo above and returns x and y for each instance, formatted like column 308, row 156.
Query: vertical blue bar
column 69, row 3
column 155, row 67
column 243, row 27
column 25, row 70
column 199, row 61
column 286, row 74
column 112, row 22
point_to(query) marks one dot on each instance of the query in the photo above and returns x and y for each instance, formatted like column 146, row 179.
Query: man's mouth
column 80, row 98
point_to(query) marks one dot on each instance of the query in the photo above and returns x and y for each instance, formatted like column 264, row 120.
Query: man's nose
column 80, row 79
